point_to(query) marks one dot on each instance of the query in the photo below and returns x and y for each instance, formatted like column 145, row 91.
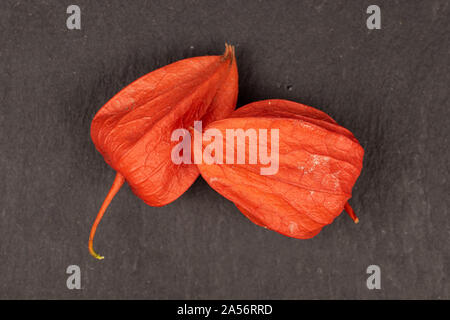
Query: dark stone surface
column 389, row 87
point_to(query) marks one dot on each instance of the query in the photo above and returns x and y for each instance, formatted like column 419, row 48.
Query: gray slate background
column 389, row 87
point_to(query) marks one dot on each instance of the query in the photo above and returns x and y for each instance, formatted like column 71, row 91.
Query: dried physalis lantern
column 296, row 169
column 133, row 130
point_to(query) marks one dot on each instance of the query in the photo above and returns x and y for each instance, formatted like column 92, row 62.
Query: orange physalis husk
column 319, row 162
column 133, row 130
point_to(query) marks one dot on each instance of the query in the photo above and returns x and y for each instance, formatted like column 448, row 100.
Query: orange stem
column 350, row 212
column 117, row 184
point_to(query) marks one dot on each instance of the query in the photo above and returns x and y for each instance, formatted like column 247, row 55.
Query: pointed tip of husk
column 229, row 52
column 350, row 212
column 94, row 254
